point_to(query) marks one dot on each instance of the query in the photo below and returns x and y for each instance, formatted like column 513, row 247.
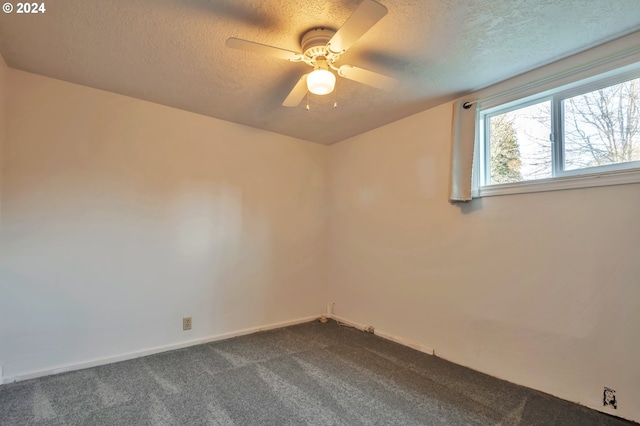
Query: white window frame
column 615, row 174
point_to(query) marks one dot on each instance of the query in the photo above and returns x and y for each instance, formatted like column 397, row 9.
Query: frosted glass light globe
column 321, row 81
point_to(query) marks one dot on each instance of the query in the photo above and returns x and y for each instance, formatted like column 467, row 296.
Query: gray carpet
column 316, row 374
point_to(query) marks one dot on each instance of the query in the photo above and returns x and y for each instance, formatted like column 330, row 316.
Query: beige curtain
column 463, row 146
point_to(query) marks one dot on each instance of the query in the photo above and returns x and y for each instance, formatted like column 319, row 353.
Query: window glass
column 520, row 146
column 585, row 133
column 601, row 127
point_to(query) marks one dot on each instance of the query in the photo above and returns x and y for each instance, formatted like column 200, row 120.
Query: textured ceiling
column 172, row 52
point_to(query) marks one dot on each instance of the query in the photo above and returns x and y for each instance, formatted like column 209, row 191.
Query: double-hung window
column 583, row 134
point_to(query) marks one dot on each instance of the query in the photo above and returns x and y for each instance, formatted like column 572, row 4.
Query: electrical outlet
column 609, row 398
column 186, row 323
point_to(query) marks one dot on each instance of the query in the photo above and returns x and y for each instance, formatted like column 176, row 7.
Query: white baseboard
column 405, row 342
column 353, row 324
column 150, row 351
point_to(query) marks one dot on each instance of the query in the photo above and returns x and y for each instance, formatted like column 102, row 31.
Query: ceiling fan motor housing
column 314, row 44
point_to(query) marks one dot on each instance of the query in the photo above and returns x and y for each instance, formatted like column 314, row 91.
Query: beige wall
column 539, row 289
column 121, row 216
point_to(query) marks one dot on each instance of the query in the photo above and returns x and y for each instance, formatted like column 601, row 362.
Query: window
column 567, row 137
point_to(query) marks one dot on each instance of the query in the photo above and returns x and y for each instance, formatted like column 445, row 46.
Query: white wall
column 3, row 100
column 538, row 289
column 122, row 216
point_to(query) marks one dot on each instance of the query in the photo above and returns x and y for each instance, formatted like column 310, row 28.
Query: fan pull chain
column 307, row 101
column 335, row 96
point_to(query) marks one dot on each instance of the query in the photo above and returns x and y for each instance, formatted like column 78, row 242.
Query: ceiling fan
column 321, row 48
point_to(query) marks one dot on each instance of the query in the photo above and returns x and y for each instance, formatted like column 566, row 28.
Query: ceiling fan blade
column 361, row 20
column 298, row 93
column 367, row 77
column 263, row 49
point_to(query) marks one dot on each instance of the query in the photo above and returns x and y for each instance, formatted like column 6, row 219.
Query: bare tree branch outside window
column 602, row 127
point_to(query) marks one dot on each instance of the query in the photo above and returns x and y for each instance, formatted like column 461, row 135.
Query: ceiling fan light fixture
column 321, row 48
column 321, row 81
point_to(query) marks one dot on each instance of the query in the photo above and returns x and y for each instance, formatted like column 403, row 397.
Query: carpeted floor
column 316, row 374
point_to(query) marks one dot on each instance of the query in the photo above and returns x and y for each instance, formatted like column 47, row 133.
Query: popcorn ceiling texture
column 172, row 52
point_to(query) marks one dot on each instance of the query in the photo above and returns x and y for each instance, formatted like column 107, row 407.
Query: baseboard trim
column 388, row 336
column 150, row 351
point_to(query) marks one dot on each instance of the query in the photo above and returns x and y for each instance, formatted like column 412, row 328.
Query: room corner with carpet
column 312, row 373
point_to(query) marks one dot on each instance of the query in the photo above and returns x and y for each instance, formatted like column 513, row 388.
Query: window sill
column 560, row 183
